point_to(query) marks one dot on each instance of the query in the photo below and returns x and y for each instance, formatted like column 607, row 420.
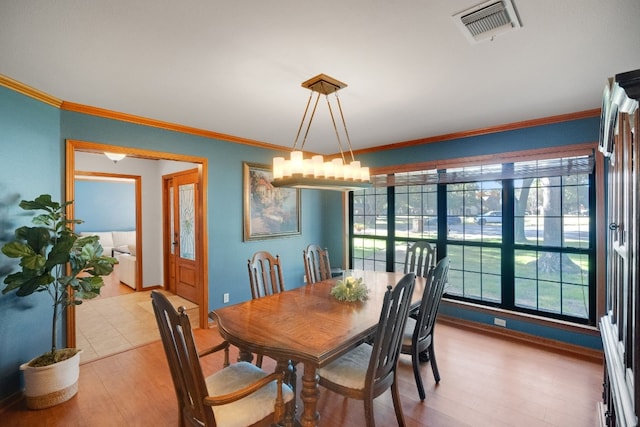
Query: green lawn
column 476, row 273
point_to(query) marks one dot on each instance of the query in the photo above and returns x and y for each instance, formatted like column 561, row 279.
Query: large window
column 519, row 235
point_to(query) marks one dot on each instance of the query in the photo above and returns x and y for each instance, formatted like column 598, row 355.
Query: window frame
column 442, row 240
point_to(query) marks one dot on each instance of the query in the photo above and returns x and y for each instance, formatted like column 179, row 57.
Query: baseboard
column 546, row 343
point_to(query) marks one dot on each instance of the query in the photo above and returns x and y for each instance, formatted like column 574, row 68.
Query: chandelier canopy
column 339, row 173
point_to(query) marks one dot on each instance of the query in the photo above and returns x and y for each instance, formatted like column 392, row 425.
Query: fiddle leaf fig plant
column 56, row 260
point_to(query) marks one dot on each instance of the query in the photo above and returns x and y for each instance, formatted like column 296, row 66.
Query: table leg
column 309, row 395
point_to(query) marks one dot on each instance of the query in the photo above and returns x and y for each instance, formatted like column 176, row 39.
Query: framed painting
column 269, row 212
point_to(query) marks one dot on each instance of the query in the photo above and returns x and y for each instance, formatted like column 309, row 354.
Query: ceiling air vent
column 487, row 20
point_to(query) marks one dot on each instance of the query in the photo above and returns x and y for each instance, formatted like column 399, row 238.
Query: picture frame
column 269, row 212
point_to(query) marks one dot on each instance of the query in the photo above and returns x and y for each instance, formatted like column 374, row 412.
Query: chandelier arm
column 344, row 124
column 335, row 128
column 304, row 116
column 313, row 113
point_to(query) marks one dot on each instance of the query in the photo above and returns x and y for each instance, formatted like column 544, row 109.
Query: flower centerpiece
column 350, row 289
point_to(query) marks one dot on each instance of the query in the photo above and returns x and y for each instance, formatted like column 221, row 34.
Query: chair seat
column 252, row 408
column 350, row 370
column 407, row 334
column 367, row 371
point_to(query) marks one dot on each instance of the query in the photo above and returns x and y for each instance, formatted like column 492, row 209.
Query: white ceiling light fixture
column 115, row 157
column 487, row 20
column 340, row 173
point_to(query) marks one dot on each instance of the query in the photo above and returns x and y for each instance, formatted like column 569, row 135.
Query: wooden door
column 183, row 225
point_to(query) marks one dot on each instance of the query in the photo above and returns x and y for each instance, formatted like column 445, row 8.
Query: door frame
column 73, row 146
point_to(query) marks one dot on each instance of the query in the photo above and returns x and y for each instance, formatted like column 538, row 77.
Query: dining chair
column 417, row 338
column 238, row 395
column 419, row 259
column 367, row 371
column 265, row 274
column 316, row 263
column 265, row 277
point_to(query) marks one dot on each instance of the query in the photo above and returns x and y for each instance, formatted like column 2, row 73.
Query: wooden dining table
column 309, row 326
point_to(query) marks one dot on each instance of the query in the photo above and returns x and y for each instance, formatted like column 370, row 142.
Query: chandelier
column 340, row 173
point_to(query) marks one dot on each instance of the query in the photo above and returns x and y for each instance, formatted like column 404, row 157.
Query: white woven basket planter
column 51, row 385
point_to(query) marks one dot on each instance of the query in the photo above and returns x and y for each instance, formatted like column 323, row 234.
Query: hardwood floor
column 486, row 381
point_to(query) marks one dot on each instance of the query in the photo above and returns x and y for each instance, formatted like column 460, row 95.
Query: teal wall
column 32, row 146
column 104, row 205
column 32, row 141
column 31, row 159
column 557, row 134
column 228, row 253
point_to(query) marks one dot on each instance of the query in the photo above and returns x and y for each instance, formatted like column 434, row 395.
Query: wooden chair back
column 184, row 362
column 366, row 371
column 388, row 339
column 316, row 264
column 430, row 303
column 421, row 343
column 420, row 257
column 265, row 274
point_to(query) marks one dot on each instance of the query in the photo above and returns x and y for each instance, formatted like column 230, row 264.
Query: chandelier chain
column 335, row 128
column 295, row 142
column 346, row 132
column 313, row 113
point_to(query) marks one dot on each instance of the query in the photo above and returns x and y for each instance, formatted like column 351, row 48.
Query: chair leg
column 368, row 412
column 415, row 361
column 291, row 379
column 434, row 365
column 395, row 393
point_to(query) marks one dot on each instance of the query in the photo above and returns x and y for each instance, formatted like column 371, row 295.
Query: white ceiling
column 235, row 67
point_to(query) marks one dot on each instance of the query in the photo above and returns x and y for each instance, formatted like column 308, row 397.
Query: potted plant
column 56, row 260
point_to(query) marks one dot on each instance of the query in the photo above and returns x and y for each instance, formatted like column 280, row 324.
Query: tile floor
column 107, row 326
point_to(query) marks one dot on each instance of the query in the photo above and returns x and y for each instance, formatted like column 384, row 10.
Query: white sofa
column 127, row 270
column 120, row 245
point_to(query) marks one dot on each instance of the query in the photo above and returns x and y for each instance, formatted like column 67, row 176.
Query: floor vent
column 487, row 20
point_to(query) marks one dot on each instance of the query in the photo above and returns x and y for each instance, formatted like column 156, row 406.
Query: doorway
column 109, row 205
column 181, row 231
column 200, row 296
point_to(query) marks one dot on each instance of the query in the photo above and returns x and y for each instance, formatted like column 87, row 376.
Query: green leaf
column 37, row 237
column 17, row 249
column 35, row 262
column 30, row 286
column 102, row 266
column 13, row 281
column 88, row 287
column 43, row 202
column 60, row 252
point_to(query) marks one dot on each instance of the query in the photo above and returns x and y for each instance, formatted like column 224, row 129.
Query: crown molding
column 485, row 131
column 22, row 88
column 130, row 118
